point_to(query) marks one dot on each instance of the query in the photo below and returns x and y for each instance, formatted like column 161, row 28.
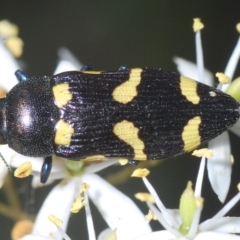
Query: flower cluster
column 123, row 217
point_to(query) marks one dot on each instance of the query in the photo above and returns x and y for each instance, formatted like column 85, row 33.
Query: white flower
column 117, row 209
column 126, row 221
column 8, row 65
column 220, row 166
column 184, row 223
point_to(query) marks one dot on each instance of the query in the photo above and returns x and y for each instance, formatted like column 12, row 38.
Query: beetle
column 135, row 114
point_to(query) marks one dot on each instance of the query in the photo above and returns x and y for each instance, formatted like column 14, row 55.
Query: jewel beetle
column 135, row 114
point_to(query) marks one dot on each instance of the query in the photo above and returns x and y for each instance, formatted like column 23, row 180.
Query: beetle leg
column 123, row 68
column 46, row 169
column 87, row 67
column 133, row 162
column 21, row 76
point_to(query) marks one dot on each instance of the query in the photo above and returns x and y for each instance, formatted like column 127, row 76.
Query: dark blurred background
column 136, row 33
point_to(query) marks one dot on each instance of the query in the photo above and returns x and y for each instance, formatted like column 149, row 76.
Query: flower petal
column 34, row 237
column 228, row 225
column 220, row 166
column 189, row 69
column 118, row 210
column 232, row 63
column 215, row 235
column 163, row 235
column 3, row 169
column 104, row 234
column 57, row 204
column 8, row 65
column 68, row 62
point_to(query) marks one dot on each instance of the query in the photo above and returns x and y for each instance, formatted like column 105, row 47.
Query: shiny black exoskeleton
column 27, row 119
column 100, row 117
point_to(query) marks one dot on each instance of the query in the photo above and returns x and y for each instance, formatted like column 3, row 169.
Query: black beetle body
column 31, row 116
column 135, row 114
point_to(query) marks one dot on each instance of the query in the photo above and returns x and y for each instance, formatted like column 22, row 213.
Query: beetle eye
column 3, row 138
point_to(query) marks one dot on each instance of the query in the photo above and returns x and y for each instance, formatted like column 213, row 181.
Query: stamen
column 144, row 197
column 78, row 204
column 171, row 220
column 8, row 29
column 140, row 172
column 223, row 78
column 84, row 187
column 204, row 152
column 232, row 63
column 90, row 226
column 24, row 170
column 199, row 52
column 15, row 45
column 198, row 188
column 58, row 222
column 197, row 24
column 151, row 216
column 123, row 161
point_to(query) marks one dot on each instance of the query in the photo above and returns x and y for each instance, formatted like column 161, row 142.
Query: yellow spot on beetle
column 212, row 94
column 61, row 94
column 125, row 92
column 63, row 133
column 191, row 136
column 91, row 72
column 189, row 89
column 94, row 158
column 127, row 132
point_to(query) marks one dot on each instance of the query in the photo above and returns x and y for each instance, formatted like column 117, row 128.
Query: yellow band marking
column 94, row 158
column 63, row 133
column 91, row 72
column 125, row 92
column 189, row 89
column 191, row 136
column 127, row 132
column 61, row 94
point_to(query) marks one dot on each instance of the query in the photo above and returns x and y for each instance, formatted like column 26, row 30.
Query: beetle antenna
column 5, row 162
